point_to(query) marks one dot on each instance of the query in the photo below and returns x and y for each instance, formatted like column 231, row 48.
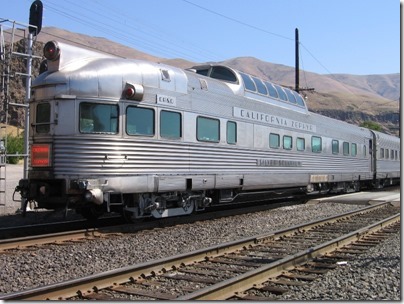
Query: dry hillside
column 351, row 98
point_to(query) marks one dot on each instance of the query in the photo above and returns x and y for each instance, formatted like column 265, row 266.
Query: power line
column 238, row 21
column 134, row 35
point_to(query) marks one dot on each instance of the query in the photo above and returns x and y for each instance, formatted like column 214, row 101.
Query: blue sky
column 346, row 36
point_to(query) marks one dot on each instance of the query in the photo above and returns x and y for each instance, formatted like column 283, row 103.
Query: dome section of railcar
column 253, row 87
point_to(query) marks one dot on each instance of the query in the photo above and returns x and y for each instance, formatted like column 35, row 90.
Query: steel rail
column 227, row 289
column 51, row 238
column 100, row 229
column 107, row 279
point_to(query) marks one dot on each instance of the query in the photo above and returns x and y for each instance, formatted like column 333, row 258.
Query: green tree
column 15, row 145
column 371, row 125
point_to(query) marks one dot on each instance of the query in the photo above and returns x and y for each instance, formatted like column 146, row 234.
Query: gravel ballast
column 374, row 275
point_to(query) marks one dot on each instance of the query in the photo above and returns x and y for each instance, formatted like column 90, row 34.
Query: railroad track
column 34, row 236
column 256, row 268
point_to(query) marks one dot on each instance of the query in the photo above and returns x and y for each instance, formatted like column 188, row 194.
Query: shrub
column 371, row 125
column 15, row 145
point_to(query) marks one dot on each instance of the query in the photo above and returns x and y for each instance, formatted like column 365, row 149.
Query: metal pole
column 27, row 98
column 297, row 60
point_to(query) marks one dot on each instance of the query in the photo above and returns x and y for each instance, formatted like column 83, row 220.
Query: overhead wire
column 133, row 35
column 273, row 34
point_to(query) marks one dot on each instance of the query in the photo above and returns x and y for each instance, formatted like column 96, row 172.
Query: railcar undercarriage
column 92, row 203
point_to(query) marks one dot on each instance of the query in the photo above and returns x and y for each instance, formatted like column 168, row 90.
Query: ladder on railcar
column 3, row 168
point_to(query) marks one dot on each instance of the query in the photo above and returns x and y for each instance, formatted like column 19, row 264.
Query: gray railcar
column 148, row 139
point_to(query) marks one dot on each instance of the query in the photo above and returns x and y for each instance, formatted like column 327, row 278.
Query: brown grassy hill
column 347, row 97
column 330, row 92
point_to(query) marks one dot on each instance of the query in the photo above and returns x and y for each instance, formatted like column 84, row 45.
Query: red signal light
column 51, row 50
column 133, row 92
column 129, row 93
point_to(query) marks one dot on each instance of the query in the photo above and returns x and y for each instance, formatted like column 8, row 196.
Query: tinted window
column 203, row 72
column 140, row 121
column 43, row 118
column 335, row 147
column 345, row 148
column 354, row 150
column 260, row 86
column 98, row 118
column 271, row 89
column 291, row 97
column 231, row 132
column 248, row 83
column 300, row 144
column 274, row 140
column 316, row 145
column 381, row 153
column 281, row 93
column 170, row 124
column 223, row 74
column 287, row 142
column 208, row 129
column 299, row 99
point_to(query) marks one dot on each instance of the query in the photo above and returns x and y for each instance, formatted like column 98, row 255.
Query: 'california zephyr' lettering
column 272, row 119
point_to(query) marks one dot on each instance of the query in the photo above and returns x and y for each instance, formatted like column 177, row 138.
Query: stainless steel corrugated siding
column 79, row 156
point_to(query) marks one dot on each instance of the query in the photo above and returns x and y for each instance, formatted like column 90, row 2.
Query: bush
column 371, row 125
column 15, row 145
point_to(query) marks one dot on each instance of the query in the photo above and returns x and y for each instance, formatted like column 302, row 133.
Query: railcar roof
column 251, row 84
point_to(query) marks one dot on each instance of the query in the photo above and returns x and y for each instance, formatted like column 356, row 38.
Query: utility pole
column 297, row 60
column 298, row 89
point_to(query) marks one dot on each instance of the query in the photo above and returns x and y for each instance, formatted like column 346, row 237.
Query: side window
column 139, row 121
column 274, row 141
column 364, row 151
column 381, row 153
column 386, row 154
column 299, row 99
column 98, row 118
column 223, row 73
column 260, row 86
column 43, row 118
column 316, row 144
column 354, row 150
column 345, row 148
column 170, row 125
column 291, row 97
column 248, row 83
column 281, row 93
column 231, row 132
column 300, row 144
column 271, row 90
column 335, row 146
column 391, row 154
column 203, row 72
column 287, row 142
column 208, row 129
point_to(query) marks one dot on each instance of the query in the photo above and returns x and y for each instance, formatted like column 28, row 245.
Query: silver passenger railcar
column 148, row 139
